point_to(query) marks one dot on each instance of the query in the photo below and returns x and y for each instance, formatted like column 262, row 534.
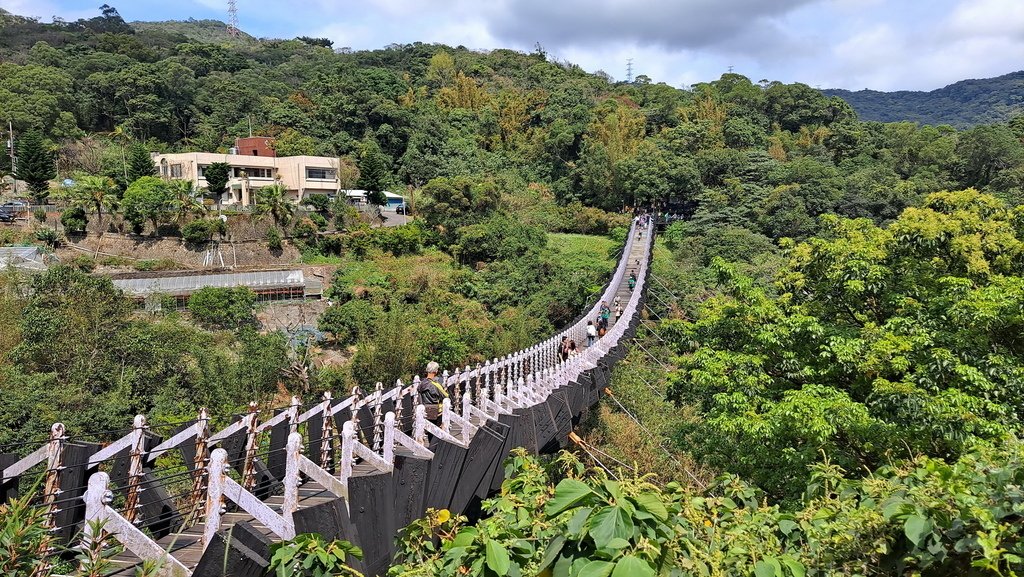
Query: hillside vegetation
column 203, row 31
column 962, row 104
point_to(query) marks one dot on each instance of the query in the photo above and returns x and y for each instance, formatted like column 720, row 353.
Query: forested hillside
column 962, row 104
column 830, row 366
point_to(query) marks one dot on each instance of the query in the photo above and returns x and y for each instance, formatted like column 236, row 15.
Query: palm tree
column 122, row 136
column 94, row 193
column 273, row 200
column 187, row 200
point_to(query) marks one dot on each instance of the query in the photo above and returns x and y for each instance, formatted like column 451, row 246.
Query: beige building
column 301, row 175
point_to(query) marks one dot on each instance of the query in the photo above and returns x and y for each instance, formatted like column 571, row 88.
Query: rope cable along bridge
column 360, row 468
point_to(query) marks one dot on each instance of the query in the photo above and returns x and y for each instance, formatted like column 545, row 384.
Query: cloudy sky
column 854, row 44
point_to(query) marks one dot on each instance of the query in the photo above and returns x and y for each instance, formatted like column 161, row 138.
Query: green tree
column 36, row 164
column 187, row 200
column 95, row 193
column 374, row 172
column 350, row 321
column 148, row 198
column 273, row 200
column 223, row 308
column 139, row 163
column 217, row 175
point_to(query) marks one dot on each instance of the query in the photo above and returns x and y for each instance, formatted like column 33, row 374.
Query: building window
column 175, row 171
column 258, row 172
column 200, row 170
column 321, row 173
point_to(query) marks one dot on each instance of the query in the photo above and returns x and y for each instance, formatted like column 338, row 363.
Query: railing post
column 293, row 415
column 51, row 488
column 290, row 501
column 389, row 438
column 348, row 437
column 131, row 503
column 446, row 419
column 54, row 465
column 251, row 447
column 457, row 388
column 477, row 376
column 378, row 416
column 419, row 429
column 327, row 432
column 97, row 496
column 215, row 494
column 200, row 471
column 399, row 402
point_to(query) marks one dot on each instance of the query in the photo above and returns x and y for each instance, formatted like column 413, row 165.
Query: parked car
column 402, row 209
column 6, row 216
column 14, row 206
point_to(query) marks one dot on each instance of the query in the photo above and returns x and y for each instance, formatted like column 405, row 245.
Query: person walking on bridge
column 632, row 280
column 591, row 333
column 432, row 392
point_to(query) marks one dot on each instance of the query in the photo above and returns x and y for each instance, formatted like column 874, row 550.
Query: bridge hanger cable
column 654, row 438
column 583, row 445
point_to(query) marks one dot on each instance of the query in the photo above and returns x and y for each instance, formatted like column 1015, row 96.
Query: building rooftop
column 187, row 284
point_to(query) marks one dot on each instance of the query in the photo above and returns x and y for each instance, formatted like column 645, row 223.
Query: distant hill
column 962, row 104
column 205, row 31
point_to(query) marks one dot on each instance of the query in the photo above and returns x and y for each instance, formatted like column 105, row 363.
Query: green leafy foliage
column 148, row 198
column 926, row 517
column 882, row 342
column 223, row 307
column 23, row 533
column 310, row 555
column 73, row 220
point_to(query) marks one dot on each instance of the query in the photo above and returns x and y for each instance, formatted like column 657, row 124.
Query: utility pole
column 14, row 157
column 629, row 70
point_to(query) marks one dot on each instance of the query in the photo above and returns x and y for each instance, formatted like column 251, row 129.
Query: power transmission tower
column 233, row 30
column 629, row 70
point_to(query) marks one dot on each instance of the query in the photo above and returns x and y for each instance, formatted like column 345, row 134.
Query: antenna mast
column 629, row 70
column 233, row 30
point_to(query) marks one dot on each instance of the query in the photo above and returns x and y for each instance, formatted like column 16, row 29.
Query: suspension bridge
column 200, row 502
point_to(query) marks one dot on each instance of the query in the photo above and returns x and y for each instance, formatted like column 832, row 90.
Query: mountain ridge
column 962, row 104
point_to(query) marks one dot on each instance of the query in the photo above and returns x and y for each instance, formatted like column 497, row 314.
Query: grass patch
column 155, row 265
column 581, row 244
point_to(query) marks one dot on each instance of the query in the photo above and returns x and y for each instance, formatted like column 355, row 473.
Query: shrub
column 223, row 307
column 311, row 554
column 318, row 202
column 83, row 262
column 73, row 220
column 50, row 236
column 24, row 532
column 274, row 241
column 305, row 228
column 40, row 215
column 350, row 321
column 319, row 220
column 400, row 240
column 198, row 231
